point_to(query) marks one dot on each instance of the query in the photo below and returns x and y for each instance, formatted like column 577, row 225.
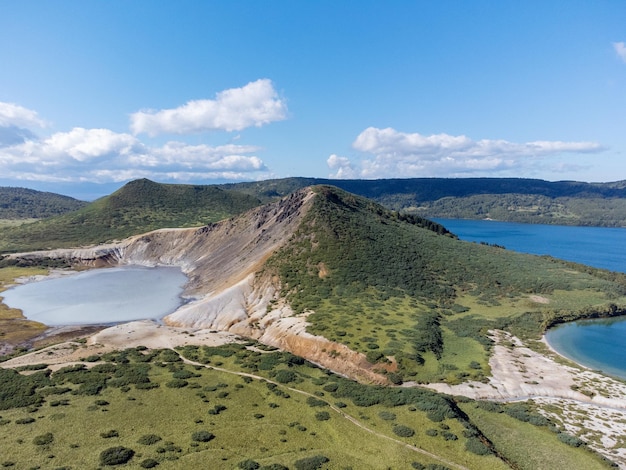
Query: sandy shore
column 588, row 405
column 126, row 335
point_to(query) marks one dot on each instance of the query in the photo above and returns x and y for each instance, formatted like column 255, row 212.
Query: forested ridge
column 22, row 203
column 507, row 199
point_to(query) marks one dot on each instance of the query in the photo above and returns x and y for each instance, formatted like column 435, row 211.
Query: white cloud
column 398, row 154
column 101, row 155
column 18, row 116
column 16, row 122
column 252, row 105
column 620, row 49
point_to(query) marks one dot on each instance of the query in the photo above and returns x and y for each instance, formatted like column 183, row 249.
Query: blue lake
column 594, row 246
column 100, row 296
column 598, row 344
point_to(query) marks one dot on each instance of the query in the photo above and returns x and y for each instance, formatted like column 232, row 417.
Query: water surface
column 597, row 344
column 600, row 247
column 100, row 296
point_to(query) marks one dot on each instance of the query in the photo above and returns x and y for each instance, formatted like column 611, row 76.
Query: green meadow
column 244, row 406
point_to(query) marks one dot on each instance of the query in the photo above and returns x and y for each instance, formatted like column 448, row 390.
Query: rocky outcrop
column 226, row 291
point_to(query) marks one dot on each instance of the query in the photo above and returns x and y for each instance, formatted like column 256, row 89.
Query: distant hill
column 144, row 205
column 22, row 203
column 507, row 199
column 137, row 207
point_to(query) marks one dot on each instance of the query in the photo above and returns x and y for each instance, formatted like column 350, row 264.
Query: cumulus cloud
column 390, row 153
column 252, row 105
column 101, row 155
column 620, row 49
column 18, row 116
column 16, row 123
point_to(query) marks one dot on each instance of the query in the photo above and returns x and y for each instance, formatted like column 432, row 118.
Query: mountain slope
column 509, row 199
column 22, row 203
column 139, row 206
column 389, row 294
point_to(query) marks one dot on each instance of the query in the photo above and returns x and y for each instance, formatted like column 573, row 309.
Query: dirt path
column 345, row 415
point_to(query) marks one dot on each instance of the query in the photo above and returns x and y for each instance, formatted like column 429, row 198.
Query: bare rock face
column 223, row 262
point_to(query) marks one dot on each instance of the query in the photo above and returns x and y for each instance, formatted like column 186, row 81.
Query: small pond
column 100, row 296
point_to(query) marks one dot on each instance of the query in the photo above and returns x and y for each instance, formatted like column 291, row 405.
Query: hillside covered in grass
column 507, row 199
column 398, row 288
column 22, row 203
column 138, row 207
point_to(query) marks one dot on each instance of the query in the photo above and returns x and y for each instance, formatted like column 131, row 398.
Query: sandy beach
column 590, row 405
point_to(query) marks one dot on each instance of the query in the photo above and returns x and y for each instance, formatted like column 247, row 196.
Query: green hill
column 508, row 199
column 392, row 285
column 22, row 203
column 138, row 207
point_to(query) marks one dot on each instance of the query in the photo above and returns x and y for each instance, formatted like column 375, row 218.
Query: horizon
column 96, row 95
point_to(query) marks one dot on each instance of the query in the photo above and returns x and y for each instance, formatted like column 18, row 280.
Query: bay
column 600, row 247
column 597, row 344
column 100, row 296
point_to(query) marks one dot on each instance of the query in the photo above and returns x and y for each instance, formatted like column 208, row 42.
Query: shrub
column 570, row 440
column 202, row 436
column 285, row 376
column 184, row 374
column 177, row 383
column 148, row 463
column 116, row 455
column 109, row 434
column 387, row 415
column 149, row 439
column 25, row 420
column 403, row 431
column 248, row 465
column 476, row 446
column 311, row 463
column 322, row 416
column 313, row 402
column 44, row 439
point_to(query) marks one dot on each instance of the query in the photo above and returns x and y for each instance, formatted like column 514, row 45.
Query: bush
column 311, row 463
column 109, row 434
column 202, row 436
column 403, row 431
column 476, row 446
column 322, row 416
column 149, row 439
column 570, row 440
column 285, row 376
column 387, row 415
column 116, row 455
column 184, row 374
column 25, row 420
column 148, row 463
column 44, row 439
column 177, row 383
column 248, row 465
column 313, row 402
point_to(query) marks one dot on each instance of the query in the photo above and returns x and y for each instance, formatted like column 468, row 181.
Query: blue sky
column 94, row 94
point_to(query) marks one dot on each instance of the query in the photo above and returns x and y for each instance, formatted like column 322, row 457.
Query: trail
column 345, row 415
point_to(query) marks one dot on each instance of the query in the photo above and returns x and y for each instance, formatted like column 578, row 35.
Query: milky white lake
column 100, row 296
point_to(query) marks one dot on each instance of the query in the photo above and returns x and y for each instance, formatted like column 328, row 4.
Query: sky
column 95, row 94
